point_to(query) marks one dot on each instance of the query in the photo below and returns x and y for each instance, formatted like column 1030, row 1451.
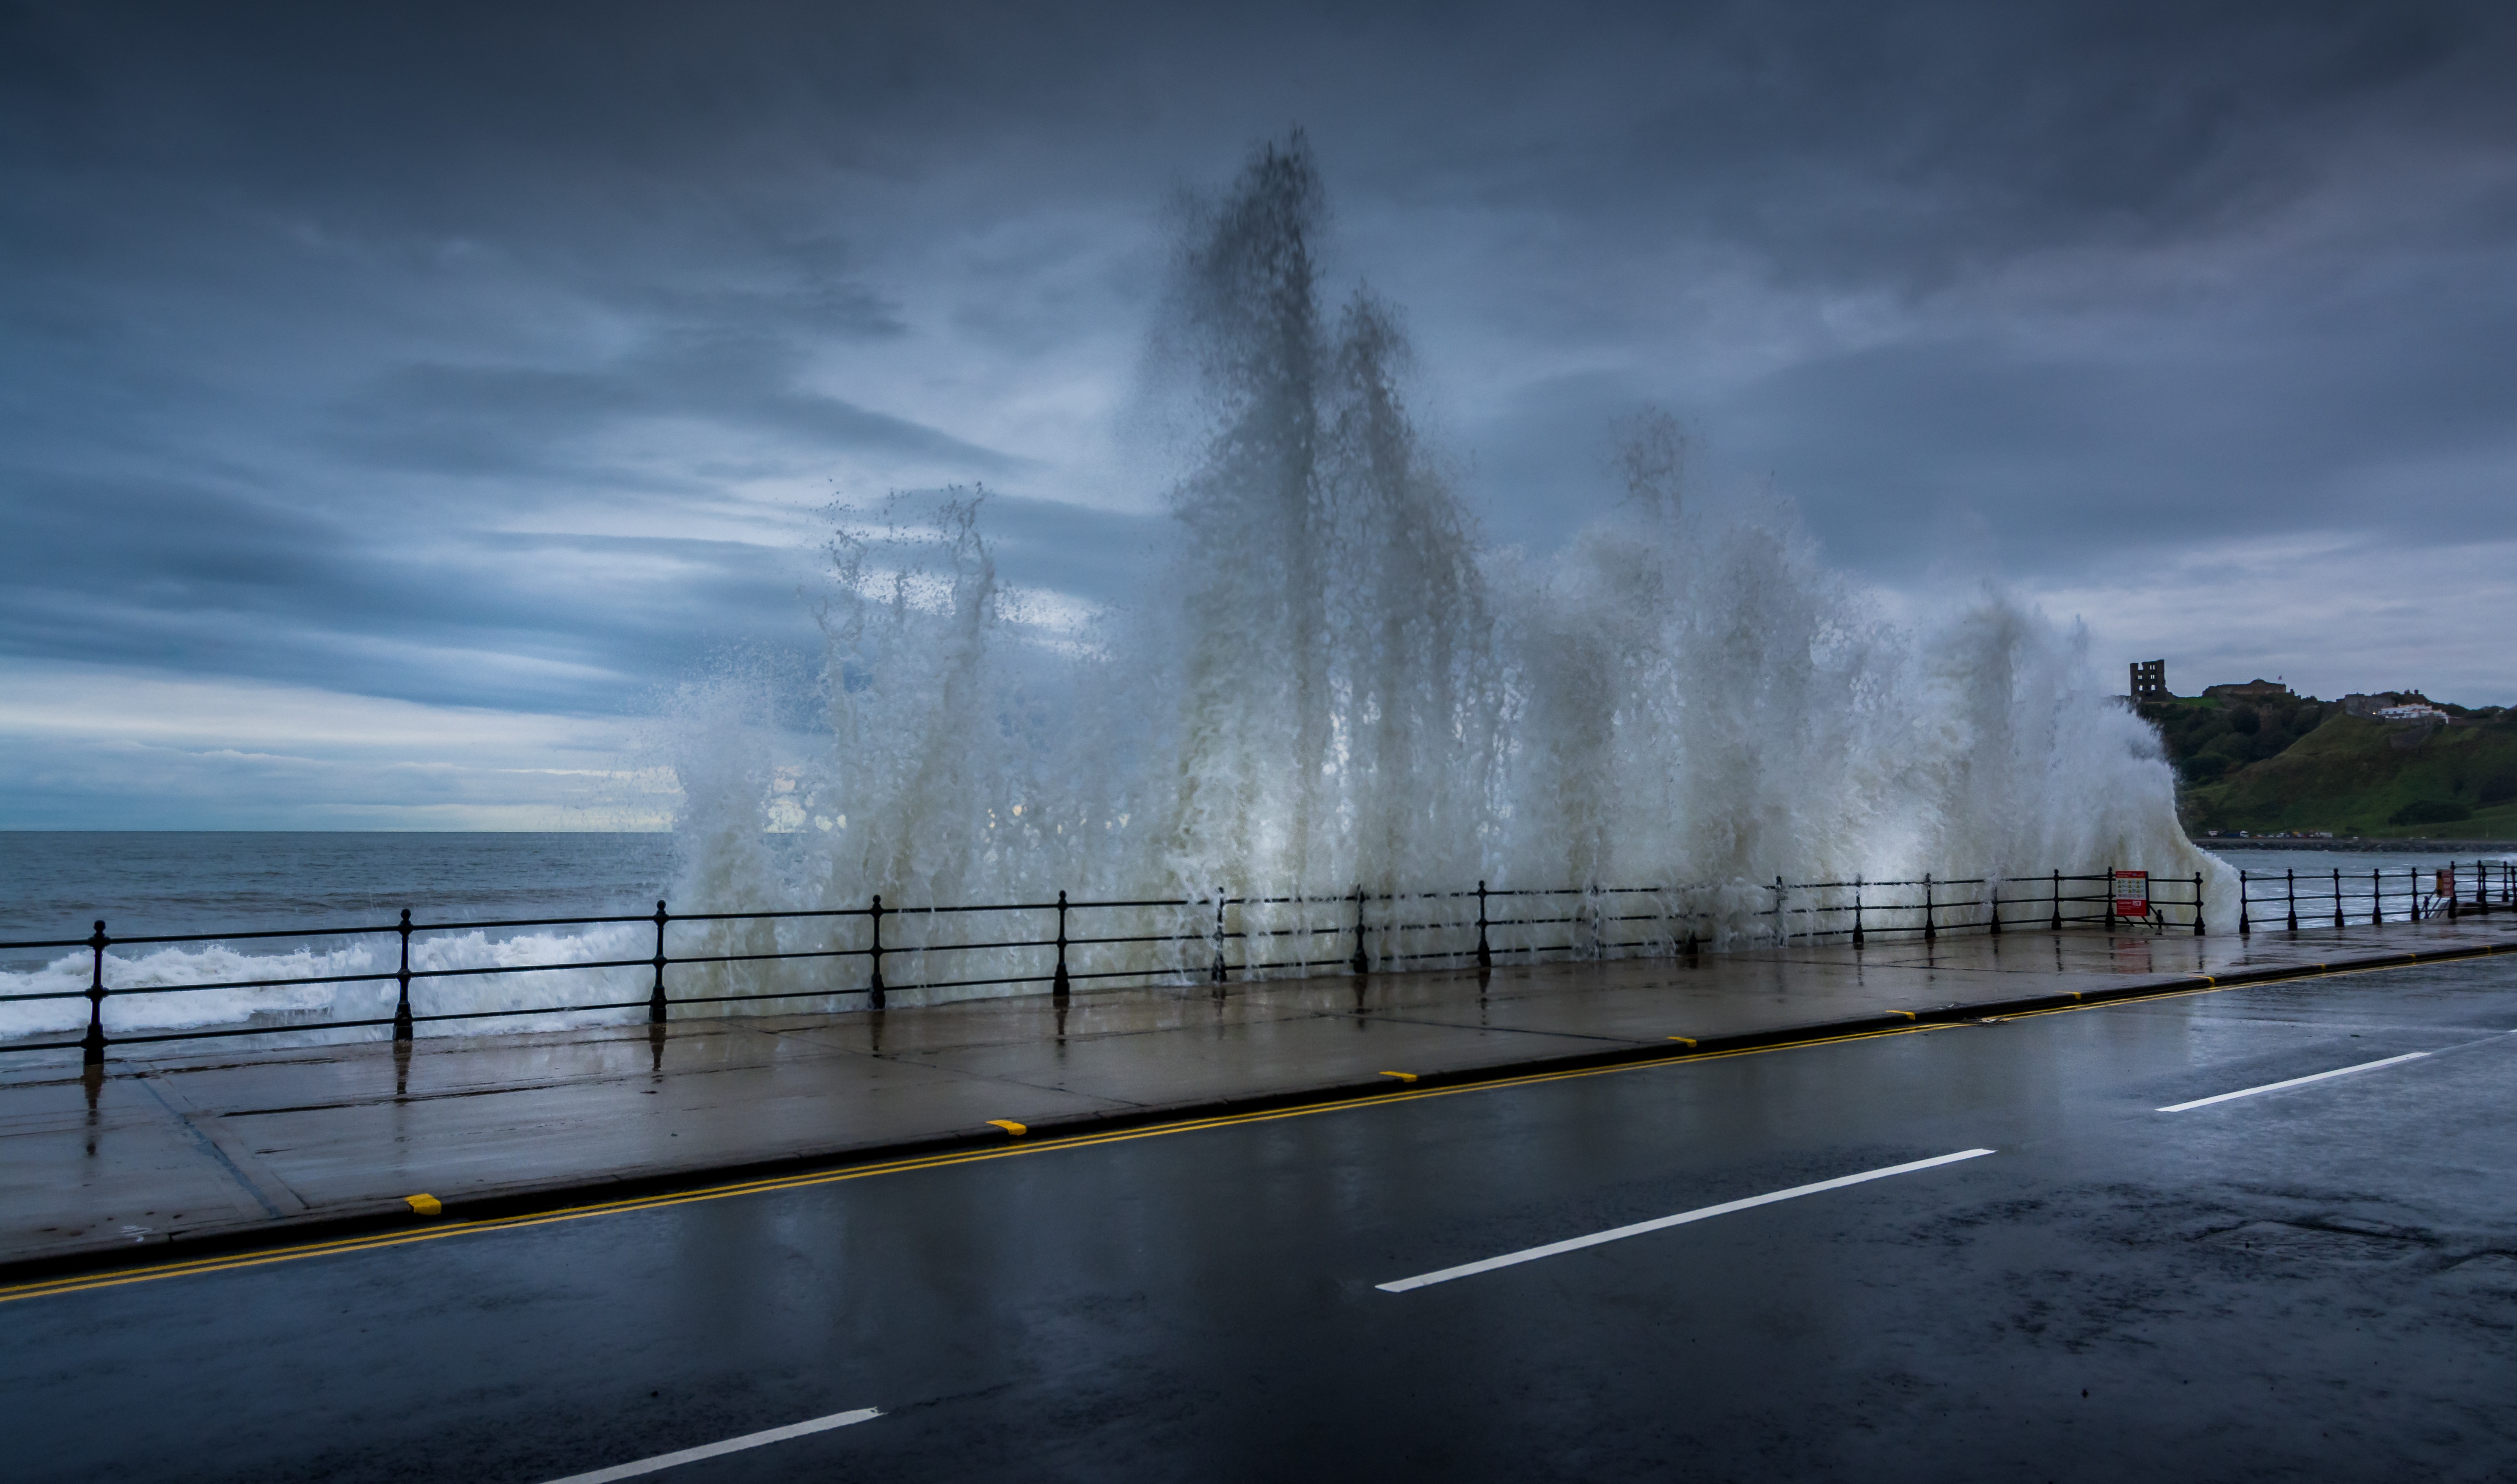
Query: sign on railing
column 2132, row 892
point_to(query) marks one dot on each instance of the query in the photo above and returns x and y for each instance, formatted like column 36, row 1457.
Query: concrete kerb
column 550, row 1197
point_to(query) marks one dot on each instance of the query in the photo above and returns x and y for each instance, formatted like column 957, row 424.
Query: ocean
column 56, row 884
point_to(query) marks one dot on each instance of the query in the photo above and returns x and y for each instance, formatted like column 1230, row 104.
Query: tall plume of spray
column 1334, row 705
column 1330, row 684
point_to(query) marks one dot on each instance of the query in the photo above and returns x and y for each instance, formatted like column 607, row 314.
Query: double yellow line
column 439, row 1232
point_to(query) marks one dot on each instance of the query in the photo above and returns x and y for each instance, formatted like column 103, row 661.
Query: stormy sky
column 396, row 402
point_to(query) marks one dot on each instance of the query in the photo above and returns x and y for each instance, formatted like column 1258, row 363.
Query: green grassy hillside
column 2357, row 777
column 2210, row 739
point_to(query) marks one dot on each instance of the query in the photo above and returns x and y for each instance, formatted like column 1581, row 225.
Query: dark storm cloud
column 330, row 336
column 1931, row 129
column 199, row 579
column 1860, row 138
column 480, row 420
column 2388, row 413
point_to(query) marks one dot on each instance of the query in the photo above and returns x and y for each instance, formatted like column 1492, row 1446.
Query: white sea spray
column 1330, row 684
column 1327, row 684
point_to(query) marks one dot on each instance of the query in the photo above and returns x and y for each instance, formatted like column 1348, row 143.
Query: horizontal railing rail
column 1047, row 944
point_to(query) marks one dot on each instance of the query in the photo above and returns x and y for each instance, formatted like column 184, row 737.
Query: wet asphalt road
column 2319, row 1283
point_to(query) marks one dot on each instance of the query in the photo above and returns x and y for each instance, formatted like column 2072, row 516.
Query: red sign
column 2132, row 893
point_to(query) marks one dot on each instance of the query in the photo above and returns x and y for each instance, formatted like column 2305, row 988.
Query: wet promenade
column 228, row 1145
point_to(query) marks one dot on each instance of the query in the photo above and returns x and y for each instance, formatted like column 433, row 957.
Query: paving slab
column 190, row 1148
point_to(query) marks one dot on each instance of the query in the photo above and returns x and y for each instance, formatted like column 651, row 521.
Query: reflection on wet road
column 2295, row 1271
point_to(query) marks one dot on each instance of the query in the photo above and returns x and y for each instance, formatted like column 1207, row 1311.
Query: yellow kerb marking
column 424, row 1204
column 1010, row 1127
column 1686, row 1041
column 1908, row 1014
column 1404, row 1076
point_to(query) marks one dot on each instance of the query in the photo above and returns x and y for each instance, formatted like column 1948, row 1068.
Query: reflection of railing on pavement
column 731, row 958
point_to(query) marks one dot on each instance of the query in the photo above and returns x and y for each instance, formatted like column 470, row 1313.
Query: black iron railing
column 861, row 957
column 2335, row 897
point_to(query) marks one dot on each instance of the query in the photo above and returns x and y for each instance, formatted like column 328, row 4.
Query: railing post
column 2246, row 902
column 1992, row 893
column 874, row 987
column 1219, row 935
column 1930, row 932
column 2290, row 880
column 1485, row 954
column 2450, row 891
column 1061, row 987
column 2376, row 896
column 656, row 996
column 92, row 1045
column 2198, row 902
column 401, row 980
column 2056, row 925
column 1857, row 908
column 1362, row 963
column 2337, row 897
column 1782, row 932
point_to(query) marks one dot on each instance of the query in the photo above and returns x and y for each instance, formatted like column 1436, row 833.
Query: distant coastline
column 2388, row 843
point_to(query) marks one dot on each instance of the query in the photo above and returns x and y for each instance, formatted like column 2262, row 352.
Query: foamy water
column 133, row 972
column 53, row 884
